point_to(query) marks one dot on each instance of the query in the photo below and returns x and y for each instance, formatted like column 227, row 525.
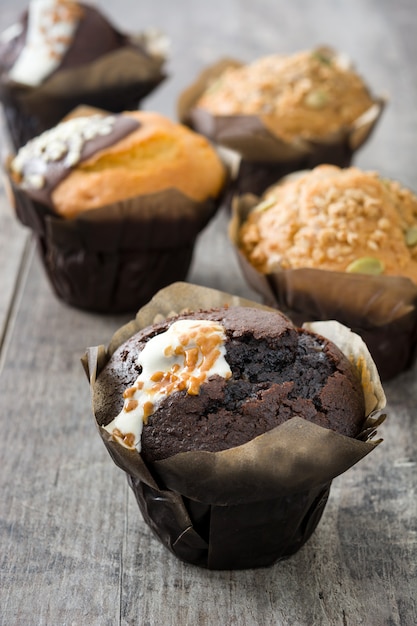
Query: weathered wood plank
column 14, row 241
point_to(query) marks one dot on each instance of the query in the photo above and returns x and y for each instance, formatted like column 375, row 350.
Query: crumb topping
column 180, row 359
column 308, row 94
column 335, row 219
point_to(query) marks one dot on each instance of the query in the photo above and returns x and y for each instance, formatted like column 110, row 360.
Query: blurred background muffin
column 116, row 202
column 62, row 53
column 283, row 113
column 338, row 243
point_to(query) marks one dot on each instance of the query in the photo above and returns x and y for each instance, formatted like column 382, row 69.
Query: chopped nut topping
column 131, row 404
column 63, row 142
column 127, row 439
column 308, row 94
column 330, row 218
column 181, row 359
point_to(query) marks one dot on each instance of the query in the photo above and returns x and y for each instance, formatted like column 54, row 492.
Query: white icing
column 11, row 33
column 155, row 42
column 186, row 355
column 51, row 27
column 65, row 141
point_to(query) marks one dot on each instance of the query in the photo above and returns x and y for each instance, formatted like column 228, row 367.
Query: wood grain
column 74, row 549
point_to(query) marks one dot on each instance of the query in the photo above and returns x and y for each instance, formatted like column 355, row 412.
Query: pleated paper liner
column 114, row 258
column 251, row 505
column 381, row 309
column 263, row 156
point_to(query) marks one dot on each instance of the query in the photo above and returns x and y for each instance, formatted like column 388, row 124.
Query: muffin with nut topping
column 283, row 113
column 338, row 244
column 230, row 422
column 201, row 381
column 116, row 202
column 343, row 220
column 63, row 53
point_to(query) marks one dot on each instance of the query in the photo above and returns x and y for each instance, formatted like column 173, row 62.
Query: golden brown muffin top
column 309, row 94
column 158, row 154
column 334, row 219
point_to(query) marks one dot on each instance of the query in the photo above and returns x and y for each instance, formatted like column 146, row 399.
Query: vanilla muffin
column 283, row 113
column 117, row 202
column 92, row 161
column 62, row 53
column 344, row 220
column 310, row 94
column 337, row 244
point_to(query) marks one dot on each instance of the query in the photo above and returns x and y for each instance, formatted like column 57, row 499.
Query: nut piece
column 411, row 236
column 366, row 265
column 332, row 218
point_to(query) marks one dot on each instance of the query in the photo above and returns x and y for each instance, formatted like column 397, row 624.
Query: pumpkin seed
column 322, row 56
column 411, row 236
column 316, row 99
column 265, row 204
column 215, row 85
column 366, row 265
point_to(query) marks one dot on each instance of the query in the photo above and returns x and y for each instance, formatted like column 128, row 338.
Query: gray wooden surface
column 73, row 547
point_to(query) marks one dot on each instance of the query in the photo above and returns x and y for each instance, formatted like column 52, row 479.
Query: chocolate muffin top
column 213, row 380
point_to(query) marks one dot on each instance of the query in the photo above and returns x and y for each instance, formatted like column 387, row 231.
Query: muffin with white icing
column 62, row 53
column 214, row 380
column 230, row 422
column 283, row 113
column 116, row 202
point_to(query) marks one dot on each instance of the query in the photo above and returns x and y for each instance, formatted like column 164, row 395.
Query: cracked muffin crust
column 276, row 372
column 308, row 94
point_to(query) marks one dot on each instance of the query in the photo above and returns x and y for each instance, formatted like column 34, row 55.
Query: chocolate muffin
column 226, row 420
column 62, row 53
column 213, row 380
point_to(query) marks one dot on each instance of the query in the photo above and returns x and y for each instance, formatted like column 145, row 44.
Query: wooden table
column 73, row 547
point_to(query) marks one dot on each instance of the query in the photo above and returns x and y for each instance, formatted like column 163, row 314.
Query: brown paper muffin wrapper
column 117, row 82
column 113, row 259
column 262, row 156
column 381, row 309
column 254, row 504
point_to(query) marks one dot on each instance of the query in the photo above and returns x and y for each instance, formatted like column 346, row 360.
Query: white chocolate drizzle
column 64, row 142
column 180, row 359
column 50, row 32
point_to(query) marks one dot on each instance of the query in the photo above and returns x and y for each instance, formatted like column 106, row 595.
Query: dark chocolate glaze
column 55, row 171
column 278, row 372
column 93, row 37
